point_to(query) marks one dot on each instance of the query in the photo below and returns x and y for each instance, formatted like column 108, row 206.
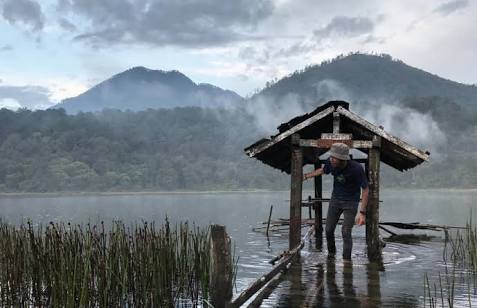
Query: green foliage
column 179, row 149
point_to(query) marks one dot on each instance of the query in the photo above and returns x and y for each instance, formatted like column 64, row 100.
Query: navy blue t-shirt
column 348, row 181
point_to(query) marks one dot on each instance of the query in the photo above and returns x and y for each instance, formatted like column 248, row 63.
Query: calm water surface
column 314, row 281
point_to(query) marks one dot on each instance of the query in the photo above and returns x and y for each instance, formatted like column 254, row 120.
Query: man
column 349, row 183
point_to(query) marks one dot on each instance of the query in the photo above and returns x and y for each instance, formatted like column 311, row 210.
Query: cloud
column 26, row 12
column 6, row 47
column 9, row 103
column 343, row 26
column 340, row 27
column 67, row 25
column 31, row 97
column 451, row 7
column 193, row 23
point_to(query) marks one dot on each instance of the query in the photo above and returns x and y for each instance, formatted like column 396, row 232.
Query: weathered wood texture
column 296, row 191
column 372, row 212
column 221, row 267
column 336, row 136
column 336, row 123
column 326, row 143
column 318, row 209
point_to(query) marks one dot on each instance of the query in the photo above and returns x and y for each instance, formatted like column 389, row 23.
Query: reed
column 460, row 260
column 76, row 266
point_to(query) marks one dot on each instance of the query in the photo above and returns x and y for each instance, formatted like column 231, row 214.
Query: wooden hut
column 305, row 138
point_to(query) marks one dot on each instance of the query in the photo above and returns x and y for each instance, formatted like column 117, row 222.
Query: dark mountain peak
column 365, row 77
column 143, row 74
column 140, row 88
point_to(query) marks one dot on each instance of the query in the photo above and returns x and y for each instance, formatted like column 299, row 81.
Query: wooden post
column 295, row 191
column 372, row 212
column 318, row 209
column 221, row 267
column 336, row 122
column 269, row 218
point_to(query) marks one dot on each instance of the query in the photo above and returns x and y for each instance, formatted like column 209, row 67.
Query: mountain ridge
column 355, row 77
column 140, row 88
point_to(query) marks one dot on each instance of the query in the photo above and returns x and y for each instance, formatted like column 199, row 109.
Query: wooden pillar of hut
column 220, row 267
column 295, row 191
column 372, row 212
column 318, row 208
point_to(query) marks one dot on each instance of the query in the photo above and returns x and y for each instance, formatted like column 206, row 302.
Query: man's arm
column 312, row 174
column 361, row 219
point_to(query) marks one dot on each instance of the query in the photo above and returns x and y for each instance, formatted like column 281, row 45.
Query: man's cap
column 339, row 151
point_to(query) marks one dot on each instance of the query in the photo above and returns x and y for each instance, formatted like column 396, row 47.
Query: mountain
column 140, row 88
column 364, row 77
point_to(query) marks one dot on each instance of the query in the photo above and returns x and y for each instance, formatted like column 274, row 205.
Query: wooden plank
column 362, row 144
column 326, row 143
column 372, row 210
column 295, row 191
column 221, row 267
column 337, row 136
column 380, row 132
column 267, row 291
column 263, row 146
column 359, row 160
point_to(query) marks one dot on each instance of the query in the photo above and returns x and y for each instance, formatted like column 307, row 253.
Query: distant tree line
column 188, row 148
column 180, row 149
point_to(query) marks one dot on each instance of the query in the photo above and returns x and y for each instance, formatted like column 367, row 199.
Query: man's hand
column 360, row 219
column 312, row 174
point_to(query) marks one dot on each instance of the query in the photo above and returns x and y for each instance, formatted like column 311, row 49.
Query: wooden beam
column 336, row 123
column 359, row 160
column 326, row 143
column 337, row 136
column 295, row 191
column 372, row 211
column 221, row 267
column 318, row 209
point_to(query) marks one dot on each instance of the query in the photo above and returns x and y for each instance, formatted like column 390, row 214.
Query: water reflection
column 328, row 284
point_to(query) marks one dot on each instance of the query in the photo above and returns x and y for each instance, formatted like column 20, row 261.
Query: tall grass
column 76, row 266
column 460, row 264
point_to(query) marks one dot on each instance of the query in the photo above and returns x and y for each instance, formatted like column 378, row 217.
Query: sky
column 54, row 49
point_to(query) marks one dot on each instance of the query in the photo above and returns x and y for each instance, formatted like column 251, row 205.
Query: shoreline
column 198, row 192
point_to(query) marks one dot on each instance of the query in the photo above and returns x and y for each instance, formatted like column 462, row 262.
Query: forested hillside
column 179, row 149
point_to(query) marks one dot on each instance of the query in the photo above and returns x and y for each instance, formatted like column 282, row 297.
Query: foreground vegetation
column 460, row 272
column 92, row 266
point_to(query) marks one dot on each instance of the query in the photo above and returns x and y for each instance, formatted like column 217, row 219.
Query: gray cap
column 339, row 151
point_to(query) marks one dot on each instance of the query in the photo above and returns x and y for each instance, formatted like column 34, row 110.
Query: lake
column 314, row 281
